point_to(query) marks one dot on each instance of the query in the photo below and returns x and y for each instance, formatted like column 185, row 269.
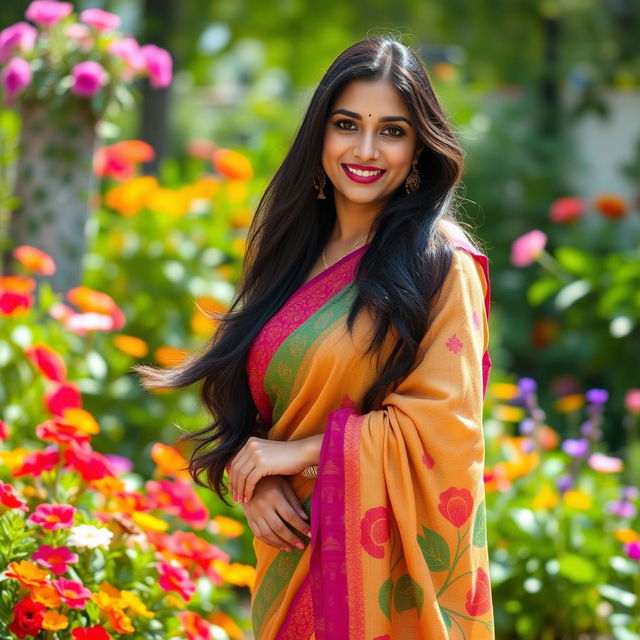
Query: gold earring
column 412, row 183
column 319, row 182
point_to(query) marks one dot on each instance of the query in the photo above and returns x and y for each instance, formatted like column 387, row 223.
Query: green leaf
column 541, row 289
column 576, row 568
column 445, row 617
column 574, row 260
column 435, row 550
column 408, row 594
column 384, row 597
column 479, row 538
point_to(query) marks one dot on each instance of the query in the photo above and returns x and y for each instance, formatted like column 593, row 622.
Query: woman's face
column 369, row 129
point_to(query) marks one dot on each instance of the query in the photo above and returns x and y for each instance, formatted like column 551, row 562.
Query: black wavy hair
column 397, row 279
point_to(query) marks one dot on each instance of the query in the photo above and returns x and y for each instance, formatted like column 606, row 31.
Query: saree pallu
column 398, row 545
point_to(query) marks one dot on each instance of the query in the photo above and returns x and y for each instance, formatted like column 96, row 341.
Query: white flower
column 88, row 536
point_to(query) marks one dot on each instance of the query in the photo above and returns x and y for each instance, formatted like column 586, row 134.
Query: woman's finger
column 252, row 479
column 293, row 501
column 289, row 514
column 270, row 536
column 236, row 466
column 282, row 531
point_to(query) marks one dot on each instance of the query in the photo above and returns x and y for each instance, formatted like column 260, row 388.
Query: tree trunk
column 54, row 181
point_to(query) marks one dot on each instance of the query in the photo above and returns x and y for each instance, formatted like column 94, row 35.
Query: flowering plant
column 88, row 548
column 58, row 55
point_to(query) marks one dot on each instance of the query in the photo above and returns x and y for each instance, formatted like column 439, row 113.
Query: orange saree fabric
column 398, row 547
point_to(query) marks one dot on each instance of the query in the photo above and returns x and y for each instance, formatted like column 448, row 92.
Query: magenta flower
column 175, row 578
column 53, row 516
column 527, row 248
column 567, row 209
column 15, row 77
column 597, row 396
column 129, row 51
column 55, row 559
column 101, row 20
column 159, row 65
column 47, row 12
column 72, row 593
column 88, row 78
column 18, row 38
column 605, row 464
column 632, row 549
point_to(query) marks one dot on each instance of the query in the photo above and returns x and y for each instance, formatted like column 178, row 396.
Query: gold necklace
column 326, row 266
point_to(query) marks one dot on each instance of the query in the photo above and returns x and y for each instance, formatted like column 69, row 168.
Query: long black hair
column 397, row 279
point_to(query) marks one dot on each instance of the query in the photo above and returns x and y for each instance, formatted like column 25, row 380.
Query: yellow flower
column 577, row 499
column 131, row 197
column 235, row 573
column 228, row 527
column 81, row 419
column 507, row 413
column 570, row 403
column 54, row 621
column 147, row 521
column 546, row 499
column 504, row 390
column 168, row 201
column 135, row 604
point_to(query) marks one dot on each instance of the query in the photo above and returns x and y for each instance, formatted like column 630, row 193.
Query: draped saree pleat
column 398, row 545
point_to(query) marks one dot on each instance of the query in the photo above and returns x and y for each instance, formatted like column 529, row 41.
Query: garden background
column 137, row 178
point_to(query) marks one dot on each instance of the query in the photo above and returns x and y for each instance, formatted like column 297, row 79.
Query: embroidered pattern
column 454, row 344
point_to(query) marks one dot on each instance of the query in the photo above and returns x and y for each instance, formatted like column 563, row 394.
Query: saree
column 398, row 543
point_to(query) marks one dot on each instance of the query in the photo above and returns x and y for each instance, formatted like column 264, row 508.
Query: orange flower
column 47, row 595
column 92, row 301
column 35, row 260
column 168, row 201
column 131, row 345
column 227, row 527
column 130, row 198
column 195, row 627
column 169, row 461
column 50, row 362
column 241, row 217
column 570, row 403
column 232, row 165
column 27, row 573
column 118, row 160
column 225, row 621
column 120, row 621
column 611, row 205
column 54, row 621
column 17, row 284
column 241, row 575
column 81, row 419
column 107, row 485
column 236, row 191
column 204, row 188
column 170, row 356
column 136, row 605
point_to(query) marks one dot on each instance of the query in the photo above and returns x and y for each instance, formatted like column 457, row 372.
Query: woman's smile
column 361, row 173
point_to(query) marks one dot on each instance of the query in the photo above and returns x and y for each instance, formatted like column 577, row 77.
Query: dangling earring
column 412, row 183
column 319, row 182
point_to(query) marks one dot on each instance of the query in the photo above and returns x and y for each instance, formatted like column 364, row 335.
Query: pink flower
column 80, row 33
column 456, row 505
column 605, row 464
column 82, row 323
column 129, row 51
column 88, row 78
column 47, row 12
column 159, row 65
column 53, row 516
column 632, row 401
column 454, row 344
column 4, row 431
column 175, row 578
column 566, row 209
column 374, row 531
column 15, row 76
column 101, row 20
column 74, row 594
column 55, row 559
column 527, row 248
column 19, row 37
column 9, row 499
column 632, row 549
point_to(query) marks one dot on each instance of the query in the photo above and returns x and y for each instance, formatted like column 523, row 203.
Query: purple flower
column 622, row 509
column 575, row 448
column 18, row 38
column 629, row 492
column 527, row 445
column 632, row 549
column 47, row 12
column 564, row 483
column 159, row 65
column 15, row 77
column 88, row 78
column 101, row 20
column 527, row 385
column 527, row 426
column 587, row 428
column 597, row 396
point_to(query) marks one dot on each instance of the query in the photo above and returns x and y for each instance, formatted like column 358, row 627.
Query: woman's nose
column 366, row 147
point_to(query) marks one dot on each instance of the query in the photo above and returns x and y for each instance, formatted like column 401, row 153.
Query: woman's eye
column 398, row 131
column 340, row 122
column 395, row 132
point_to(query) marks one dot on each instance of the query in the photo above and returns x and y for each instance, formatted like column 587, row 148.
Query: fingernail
column 299, row 545
column 287, row 548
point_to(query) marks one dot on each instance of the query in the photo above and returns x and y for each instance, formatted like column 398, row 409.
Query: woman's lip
column 362, row 179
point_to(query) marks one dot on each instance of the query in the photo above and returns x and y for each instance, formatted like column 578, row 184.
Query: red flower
column 566, row 209
column 49, row 362
column 4, row 431
column 61, row 432
column 59, row 396
column 90, row 633
column 374, row 531
column 119, row 160
column 611, row 205
column 456, row 505
column 27, row 618
column 90, row 464
column 35, row 463
column 9, row 499
column 14, row 304
column 195, row 627
column 479, row 596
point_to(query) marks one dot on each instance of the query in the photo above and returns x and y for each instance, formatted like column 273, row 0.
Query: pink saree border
column 294, row 312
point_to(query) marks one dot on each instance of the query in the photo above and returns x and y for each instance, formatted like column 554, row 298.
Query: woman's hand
column 273, row 505
column 260, row 457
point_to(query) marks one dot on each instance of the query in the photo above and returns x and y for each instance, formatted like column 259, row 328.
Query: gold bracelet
column 310, row 472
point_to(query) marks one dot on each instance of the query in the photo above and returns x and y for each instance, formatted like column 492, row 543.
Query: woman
column 347, row 380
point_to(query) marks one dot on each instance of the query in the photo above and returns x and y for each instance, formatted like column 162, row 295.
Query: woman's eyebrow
column 357, row 116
